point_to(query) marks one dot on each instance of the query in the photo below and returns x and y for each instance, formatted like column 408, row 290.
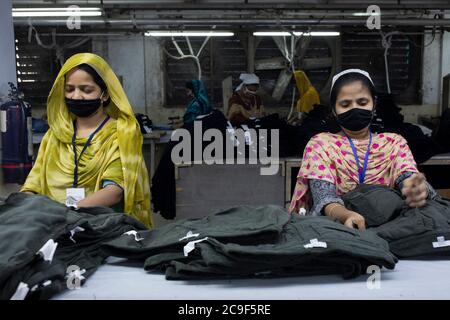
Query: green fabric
column 248, row 241
column 199, row 105
column 348, row 253
column 27, row 222
column 410, row 232
column 244, row 224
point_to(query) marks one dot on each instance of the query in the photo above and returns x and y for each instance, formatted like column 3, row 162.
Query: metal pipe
column 437, row 5
column 234, row 22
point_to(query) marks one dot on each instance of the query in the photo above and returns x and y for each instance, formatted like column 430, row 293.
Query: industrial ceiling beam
column 187, row 5
column 232, row 22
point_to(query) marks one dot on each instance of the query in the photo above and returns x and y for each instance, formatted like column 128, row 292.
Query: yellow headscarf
column 115, row 151
column 308, row 94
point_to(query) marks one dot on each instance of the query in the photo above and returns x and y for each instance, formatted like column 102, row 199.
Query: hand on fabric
column 347, row 217
column 354, row 219
column 415, row 190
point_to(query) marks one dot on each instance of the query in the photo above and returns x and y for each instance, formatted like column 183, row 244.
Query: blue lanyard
column 361, row 172
column 88, row 142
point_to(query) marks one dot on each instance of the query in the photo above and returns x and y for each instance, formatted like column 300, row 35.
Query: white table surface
column 411, row 279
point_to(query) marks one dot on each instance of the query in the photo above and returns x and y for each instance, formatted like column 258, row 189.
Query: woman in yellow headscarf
column 92, row 153
column 308, row 94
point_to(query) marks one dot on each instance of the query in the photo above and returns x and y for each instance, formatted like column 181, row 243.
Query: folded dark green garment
column 246, row 225
column 306, row 246
column 411, row 232
column 40, row 238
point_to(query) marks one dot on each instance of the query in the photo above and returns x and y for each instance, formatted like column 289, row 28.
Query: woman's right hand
column 353, row 219
column 346, row 217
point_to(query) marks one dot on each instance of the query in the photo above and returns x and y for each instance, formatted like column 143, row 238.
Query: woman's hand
column 355, row 219
column 415, row 190
column 346, row 217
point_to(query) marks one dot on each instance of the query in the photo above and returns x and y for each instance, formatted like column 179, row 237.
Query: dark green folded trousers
column 411, row 232
column 27, row 222
column 248, row 241
column 246, row 225
column 348, row 252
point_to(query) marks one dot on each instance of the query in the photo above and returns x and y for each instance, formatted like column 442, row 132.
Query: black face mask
column 355, row 119
column 83, row 108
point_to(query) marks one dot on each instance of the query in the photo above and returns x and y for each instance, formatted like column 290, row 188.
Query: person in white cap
column 245, row 103
column 334, row 164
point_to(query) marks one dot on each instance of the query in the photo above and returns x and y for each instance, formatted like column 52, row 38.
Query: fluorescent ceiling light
column 54, row 9
column 188, row 34
column 366, row 14
column 320, row 34
column 271, row 33
column 296, row 33
column 56, row 12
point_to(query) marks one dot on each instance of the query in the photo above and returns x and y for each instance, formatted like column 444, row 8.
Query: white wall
column 7, row 47
column 126, row 57
column 431, row 70
column 139, row 61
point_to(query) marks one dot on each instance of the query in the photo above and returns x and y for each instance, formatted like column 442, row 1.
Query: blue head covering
column 199, row 104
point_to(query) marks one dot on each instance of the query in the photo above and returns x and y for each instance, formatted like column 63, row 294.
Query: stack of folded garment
column 410, row 232
column 252, row 242
column 45, row 247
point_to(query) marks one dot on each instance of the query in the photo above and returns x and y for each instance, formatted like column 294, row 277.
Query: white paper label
column 441, row 242
column 191, row 246
column 189, row 235
column 314, row 243
column 134, row 233
column 47, row 283
column 48, row 250
column 21, row 292
column 75, row 230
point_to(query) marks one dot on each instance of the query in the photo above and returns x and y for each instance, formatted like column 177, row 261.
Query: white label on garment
column 48, row 250
column 47, row 283
column 147, row 129
column 2, row 121
column 441, row 242
column 75, row 230
column 134, row 233
column 248, row 138
column 21, row 292
column 247, row 135
column 189, row 235
column 73, row 195
column 302, row 211
column 231, row 133
column 191, row 246
column 34, row 288
column 314, row 243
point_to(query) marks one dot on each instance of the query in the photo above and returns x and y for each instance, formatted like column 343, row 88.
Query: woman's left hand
column 415, row 190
